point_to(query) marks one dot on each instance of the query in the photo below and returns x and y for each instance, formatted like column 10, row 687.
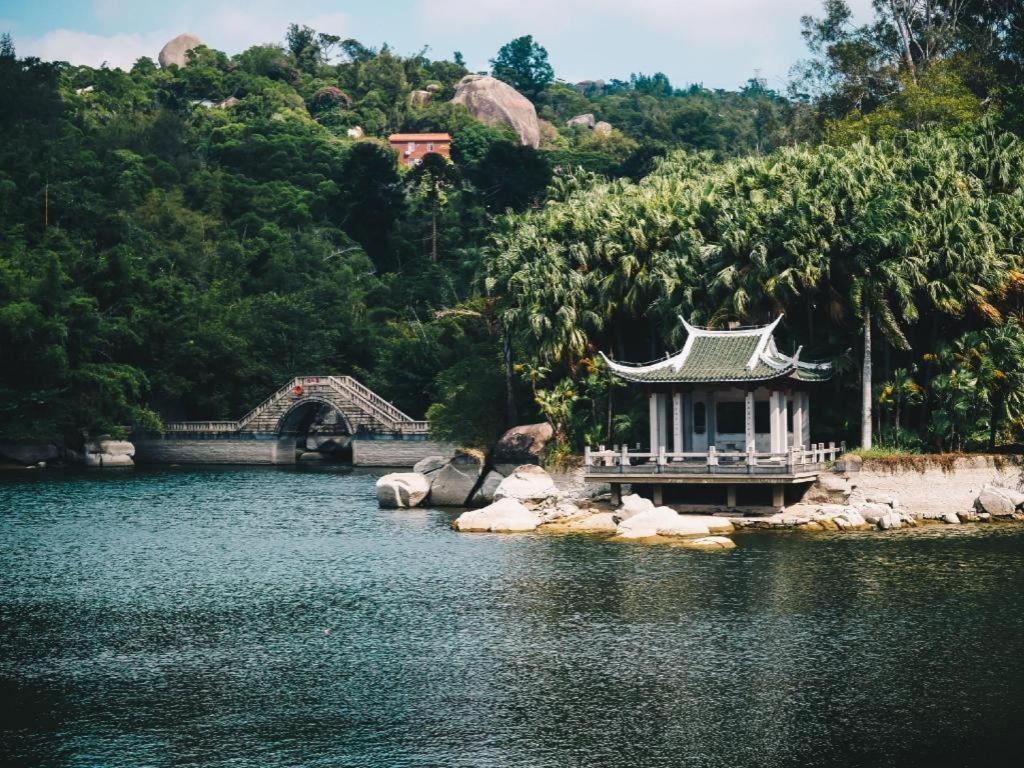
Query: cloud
column 84, row 48
column 227, row 27
column 718, row 41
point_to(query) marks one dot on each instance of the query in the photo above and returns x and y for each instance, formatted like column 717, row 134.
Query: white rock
column 951, row 518
column 873, row 512
column 527, row 483
column 586, row 120
column 401, row 490
column 429, row 465
column 849, row 519
column 665, row 521
column 997, row 501
column 109, row 453
column 710, row 543
column 890, row 520
column 602, row 522
column 355, row 132
column 505, row 515
column 633, row 504
column 559, row 511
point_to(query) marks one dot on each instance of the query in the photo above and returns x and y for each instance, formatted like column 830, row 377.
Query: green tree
column 523, row 64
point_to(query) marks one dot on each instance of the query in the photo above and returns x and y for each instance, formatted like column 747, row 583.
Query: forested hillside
column 176, row 242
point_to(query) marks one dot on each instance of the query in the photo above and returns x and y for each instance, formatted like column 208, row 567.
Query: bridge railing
column 366, row 394
column 391, row 418
column 201, row 426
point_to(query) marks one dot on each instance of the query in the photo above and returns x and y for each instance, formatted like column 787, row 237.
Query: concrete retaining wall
column 935, row 490
column 270, row 450
column 396, row 453
column 179, row 450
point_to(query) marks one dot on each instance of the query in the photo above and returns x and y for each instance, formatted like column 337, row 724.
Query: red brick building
column 411, row 147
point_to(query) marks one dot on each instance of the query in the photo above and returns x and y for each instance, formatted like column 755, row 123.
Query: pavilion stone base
column 764, row 497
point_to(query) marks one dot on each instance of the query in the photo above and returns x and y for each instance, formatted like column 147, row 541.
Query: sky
column 719, row 43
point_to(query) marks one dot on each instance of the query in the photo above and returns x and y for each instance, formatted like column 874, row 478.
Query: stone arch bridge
column 306, row 415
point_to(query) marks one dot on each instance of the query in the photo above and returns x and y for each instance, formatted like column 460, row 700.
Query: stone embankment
column 101, row 452
column 852, row 497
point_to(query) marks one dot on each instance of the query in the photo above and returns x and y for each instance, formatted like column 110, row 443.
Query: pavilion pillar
column 798, row 419
column 652, row 409
column 805, row 435
column 677, row 422
column 663, row 422
column 777, row 423
column 749, row 421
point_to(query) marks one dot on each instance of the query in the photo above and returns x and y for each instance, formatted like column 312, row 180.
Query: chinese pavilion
column 728, row 408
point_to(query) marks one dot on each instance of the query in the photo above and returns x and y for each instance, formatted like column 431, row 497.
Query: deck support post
column 616, row 494
column 778, row 496
column 658, row 496
column 730, row 496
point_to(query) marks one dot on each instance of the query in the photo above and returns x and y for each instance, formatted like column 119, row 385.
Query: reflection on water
column 256, row 617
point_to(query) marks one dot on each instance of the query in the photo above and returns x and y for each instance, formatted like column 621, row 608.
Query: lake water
column 275, row 617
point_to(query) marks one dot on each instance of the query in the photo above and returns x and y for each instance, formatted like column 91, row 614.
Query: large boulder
column 429, row 465
column 665, row 521
column 419, row 98
column 585, row 120
column 27, row 453
column 176, row 50
column 485, row 493
column 496, row 103
column 998, row 501
column 106, row 452
column 829, row 488
column 402, row 490
column 524, row 444
column 633, row 504
column 850, row 520
column 849, row 463
column 452, row 485
column 503, row 516
column 527, row 483
column 601, row 128
column 890, row 520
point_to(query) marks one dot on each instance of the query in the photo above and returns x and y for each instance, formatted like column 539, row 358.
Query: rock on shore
column 105, row 452
column 503, row 516
column 401, row 490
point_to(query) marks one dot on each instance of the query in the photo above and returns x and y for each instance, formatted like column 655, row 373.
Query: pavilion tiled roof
column 745, row 355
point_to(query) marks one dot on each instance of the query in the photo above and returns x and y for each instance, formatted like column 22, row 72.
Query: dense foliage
column 175, row 243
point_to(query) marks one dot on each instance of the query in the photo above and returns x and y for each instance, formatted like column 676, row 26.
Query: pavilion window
column 700, row 419
column 789, row 415
column 730, row 418
column 762, row 417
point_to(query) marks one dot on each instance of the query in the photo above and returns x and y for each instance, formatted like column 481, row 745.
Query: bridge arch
column 302, row 415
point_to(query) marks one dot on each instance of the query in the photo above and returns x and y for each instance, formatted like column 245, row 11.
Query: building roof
column 398, row 138
column 748, row 354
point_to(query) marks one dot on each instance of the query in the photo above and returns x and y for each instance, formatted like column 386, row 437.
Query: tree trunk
column 433, row 232
column 511, row 416
column 993, row 424
column 865, row 376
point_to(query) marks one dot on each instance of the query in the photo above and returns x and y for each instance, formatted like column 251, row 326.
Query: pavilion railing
column 622, row 460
